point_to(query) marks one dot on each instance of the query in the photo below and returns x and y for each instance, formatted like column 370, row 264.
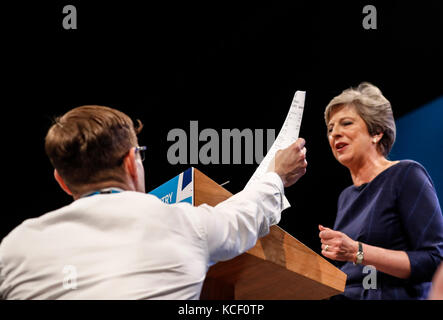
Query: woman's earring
column 375, row 140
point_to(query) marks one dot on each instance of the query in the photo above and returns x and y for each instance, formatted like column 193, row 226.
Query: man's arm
column 234, row 226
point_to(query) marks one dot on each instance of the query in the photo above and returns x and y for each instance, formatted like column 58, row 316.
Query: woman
column 390, row 217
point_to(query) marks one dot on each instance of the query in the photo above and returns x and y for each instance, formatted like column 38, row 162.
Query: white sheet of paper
column 288, row 134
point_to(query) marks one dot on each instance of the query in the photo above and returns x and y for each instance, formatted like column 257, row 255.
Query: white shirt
column 130, row 245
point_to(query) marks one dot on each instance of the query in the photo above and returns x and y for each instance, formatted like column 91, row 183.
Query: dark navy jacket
column 397, row 210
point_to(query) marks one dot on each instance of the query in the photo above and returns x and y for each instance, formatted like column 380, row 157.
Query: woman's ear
column 376, row 138
column 61, row 182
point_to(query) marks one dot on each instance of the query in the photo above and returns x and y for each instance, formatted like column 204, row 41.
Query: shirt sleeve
column 1, row 278
column 422, row 219
column 234, row 225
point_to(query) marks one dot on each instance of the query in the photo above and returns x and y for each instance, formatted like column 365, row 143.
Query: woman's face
column 348, row 136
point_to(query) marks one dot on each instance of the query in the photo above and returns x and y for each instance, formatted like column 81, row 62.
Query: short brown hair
column 373, row 108
column 88, row 143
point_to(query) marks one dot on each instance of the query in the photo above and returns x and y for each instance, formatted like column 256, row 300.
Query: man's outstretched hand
column 290, row 163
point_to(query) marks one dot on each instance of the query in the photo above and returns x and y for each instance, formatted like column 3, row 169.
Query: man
column 116, row 242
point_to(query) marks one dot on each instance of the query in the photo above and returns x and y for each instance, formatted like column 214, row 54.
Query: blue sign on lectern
column 178, row 189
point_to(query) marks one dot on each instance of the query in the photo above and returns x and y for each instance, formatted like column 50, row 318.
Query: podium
column 279, row 267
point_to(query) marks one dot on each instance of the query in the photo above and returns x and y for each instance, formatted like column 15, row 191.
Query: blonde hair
column 373, row 108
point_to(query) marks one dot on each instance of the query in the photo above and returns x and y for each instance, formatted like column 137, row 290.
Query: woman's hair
column 373, row 108
column 88, row 143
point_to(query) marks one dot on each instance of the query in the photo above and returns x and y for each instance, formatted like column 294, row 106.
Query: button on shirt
column 130, row 245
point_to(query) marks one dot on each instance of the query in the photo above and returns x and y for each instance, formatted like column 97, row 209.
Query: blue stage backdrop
column 420, row 138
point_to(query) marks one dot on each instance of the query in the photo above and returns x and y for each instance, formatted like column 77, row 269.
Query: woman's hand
column 336, row 245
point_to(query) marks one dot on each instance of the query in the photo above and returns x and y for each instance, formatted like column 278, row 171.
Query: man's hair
column 88, row 143
column 373, row 108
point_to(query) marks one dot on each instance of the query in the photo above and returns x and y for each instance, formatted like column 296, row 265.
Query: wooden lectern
column 278, row 267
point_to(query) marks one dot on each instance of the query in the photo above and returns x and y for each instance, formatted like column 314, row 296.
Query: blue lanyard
column 104, row 191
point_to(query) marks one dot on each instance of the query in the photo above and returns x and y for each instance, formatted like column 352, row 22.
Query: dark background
column 225, row 64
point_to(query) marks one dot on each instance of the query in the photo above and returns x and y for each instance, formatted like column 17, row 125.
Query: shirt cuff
column 275, row 178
